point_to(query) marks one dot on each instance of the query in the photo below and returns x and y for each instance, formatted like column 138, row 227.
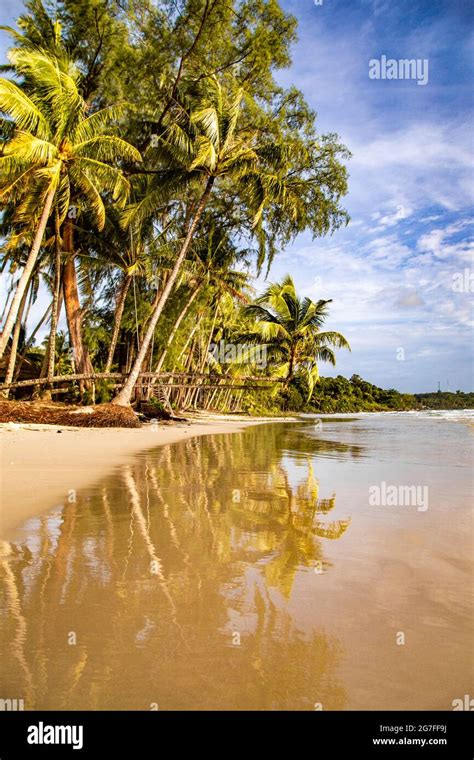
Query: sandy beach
column 168, row 554
column 41, row 464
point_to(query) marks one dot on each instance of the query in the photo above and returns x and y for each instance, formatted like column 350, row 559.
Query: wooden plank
column 144, row 376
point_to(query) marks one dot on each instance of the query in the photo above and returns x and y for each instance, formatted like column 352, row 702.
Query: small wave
column 453, row 415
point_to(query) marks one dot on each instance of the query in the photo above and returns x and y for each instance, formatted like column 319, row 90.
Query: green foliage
column 339, row 395
column 157, row 405
column 104, row 391
column 446, row 400
column 289, row 328
column 57, row 145
column 137, row 151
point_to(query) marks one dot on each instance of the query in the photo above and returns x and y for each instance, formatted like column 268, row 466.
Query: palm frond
column 22, row 109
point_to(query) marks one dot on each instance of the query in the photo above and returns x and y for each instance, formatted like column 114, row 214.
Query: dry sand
column 40, row 464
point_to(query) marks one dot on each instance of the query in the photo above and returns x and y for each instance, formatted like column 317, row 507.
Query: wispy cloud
column 391, row 272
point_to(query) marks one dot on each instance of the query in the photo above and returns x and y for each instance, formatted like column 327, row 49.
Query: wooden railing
column 169, row 379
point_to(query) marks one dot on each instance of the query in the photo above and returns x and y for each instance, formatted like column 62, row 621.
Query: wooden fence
column 179, row 390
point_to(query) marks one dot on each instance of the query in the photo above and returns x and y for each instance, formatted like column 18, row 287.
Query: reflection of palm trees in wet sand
column 224, row 531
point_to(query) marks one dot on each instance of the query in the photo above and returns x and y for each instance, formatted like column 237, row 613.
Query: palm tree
column 115, row 250
column 291, row 330
column 214, row 254
column 202, row 146
column 58, row 151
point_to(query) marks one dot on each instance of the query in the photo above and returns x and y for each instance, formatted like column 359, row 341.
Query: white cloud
column 435, row 242
column 421, row 145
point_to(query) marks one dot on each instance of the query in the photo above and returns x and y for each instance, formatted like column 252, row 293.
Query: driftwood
column 103, row 415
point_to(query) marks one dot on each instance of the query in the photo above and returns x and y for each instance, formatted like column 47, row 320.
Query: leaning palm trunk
column 55, row 302
column 30, row 342
column 205, row 358
column 188, row 341
column 173, row 332
column 181, row 394
column 291, row 364
column 124, row 396
column 176, row 326
column 117, row 320
column 27, row 272
column 14, row 344
column 7, row 302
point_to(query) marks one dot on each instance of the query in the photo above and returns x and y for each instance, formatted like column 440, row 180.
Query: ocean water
column 298, row 566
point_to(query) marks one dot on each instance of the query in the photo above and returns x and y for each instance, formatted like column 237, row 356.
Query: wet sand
column 41, row 464
column 252, row 571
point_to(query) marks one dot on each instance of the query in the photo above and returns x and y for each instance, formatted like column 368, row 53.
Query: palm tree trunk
column 45, row 392
column 26, row 313
column 211, row 333
column 30, row 341
column 7, row 302
column 129, row 353
column 82, row 361
column 291, row 364
column 72, row 303
column 27, row 272
column 175, row 329
column 124, row 396
column 56, row 295
column 183, row 392
column 118, row 319
column 188, row 341
column 14, row 344
column 212, row 396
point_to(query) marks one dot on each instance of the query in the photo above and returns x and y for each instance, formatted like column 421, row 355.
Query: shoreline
column 40, row 464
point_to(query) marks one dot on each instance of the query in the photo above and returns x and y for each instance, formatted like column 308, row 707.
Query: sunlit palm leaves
column 290, row 328
column 56, row 151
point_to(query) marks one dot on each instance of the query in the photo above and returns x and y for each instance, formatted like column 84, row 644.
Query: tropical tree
column 115, row 255
column 290, row 328
column 232, row 165
column 58, row 150
column 204, row 147
column 211, row 270
column 211, row 146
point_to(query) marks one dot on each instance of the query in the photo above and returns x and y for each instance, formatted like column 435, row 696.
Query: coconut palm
column 115, row 250
column 198, row 148
column 57, row 151
column 290, row 328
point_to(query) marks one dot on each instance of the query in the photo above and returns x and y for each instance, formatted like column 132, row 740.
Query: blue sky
column 393, row 273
